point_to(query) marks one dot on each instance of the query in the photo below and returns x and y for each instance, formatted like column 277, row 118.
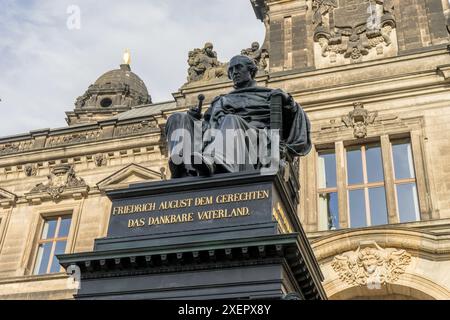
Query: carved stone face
column 28, row 170
column 360, row 130
column 255, row 46
column 369, row 260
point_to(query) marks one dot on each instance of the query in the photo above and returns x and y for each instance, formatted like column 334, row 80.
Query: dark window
column 106, row 102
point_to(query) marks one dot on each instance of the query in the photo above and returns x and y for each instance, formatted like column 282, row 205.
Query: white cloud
column 45, row 66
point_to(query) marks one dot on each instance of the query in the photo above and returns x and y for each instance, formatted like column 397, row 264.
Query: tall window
column 52, row 242
column 362, row 179
column 328, row 194
column 405, row 181
column 365, row 185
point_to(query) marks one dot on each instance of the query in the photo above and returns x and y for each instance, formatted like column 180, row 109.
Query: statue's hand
column 195, row 112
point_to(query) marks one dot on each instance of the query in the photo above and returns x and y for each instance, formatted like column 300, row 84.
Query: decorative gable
column 132, row 173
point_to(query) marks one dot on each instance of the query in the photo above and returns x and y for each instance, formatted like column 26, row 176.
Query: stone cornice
column 430, row 245
column 47, row 139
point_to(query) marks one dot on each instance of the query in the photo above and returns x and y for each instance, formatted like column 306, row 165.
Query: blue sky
column 45, row 66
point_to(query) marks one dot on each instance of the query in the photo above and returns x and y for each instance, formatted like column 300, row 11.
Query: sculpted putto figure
column 203, row 64
column 227, row 136
column 258, row 55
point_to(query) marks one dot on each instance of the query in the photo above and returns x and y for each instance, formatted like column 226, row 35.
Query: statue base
column 228, row 236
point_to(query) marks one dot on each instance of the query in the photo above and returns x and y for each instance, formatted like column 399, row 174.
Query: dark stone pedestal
column 228, row 236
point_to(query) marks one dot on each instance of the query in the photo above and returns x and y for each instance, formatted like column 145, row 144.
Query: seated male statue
column 233, row 135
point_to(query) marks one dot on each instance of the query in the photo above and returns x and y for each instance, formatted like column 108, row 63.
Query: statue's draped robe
column 243, row 109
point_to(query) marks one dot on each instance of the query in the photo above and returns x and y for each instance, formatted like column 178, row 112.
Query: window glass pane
column 43, row 257
column 328, row 211
column 354, row 166
column 59, row 249
column 408, row 204
column 375, row 171
column 378, row 210
column 49, row 229
column 403, row 160
column 327, row 170
column 64, row 227
column 357, row 209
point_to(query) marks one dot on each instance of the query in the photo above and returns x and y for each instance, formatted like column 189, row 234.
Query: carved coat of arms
column 61, row 178
column 371, row 264
column 359, row 119
column 352, row 27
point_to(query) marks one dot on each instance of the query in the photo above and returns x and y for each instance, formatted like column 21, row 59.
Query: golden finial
column 127, row 57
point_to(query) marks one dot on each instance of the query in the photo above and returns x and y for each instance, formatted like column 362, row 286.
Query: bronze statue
column 245, row 119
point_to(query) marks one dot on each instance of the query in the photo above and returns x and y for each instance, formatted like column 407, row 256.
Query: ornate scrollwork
column 61, row 178
column 352, row 27
column 359, row 119
column 13, row 147
column 74, row 138
column 371, row 264
column 136, row 128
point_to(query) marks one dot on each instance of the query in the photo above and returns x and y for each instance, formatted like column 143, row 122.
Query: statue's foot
column 177, row 170
column 204, row 165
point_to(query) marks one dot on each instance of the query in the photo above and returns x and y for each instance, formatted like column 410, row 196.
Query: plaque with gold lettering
column 204, row 208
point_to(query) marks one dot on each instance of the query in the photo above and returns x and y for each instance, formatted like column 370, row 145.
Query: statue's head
column 242, row 70
column 255, row 46
column 208, row 49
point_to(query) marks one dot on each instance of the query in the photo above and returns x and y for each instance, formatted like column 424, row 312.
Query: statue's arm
column 289, row 104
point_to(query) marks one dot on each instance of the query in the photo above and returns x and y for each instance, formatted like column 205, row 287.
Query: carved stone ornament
column 14, row 147
column 30, row 170
column 203, row 65
column 371, row 264
column 136, row 128
column 61, row 178
column 258, row 55
column 352, row 27
column 100, row 160
column 74, row 138
column 359, row 119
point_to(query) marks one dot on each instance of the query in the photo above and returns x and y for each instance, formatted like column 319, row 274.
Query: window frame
column 389, row 183
column 53, row 241
column 42, row 213
column 404, row 181
column 365, row 186
column 327, row 149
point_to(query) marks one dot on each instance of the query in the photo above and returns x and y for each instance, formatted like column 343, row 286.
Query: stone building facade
column 374, row 79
